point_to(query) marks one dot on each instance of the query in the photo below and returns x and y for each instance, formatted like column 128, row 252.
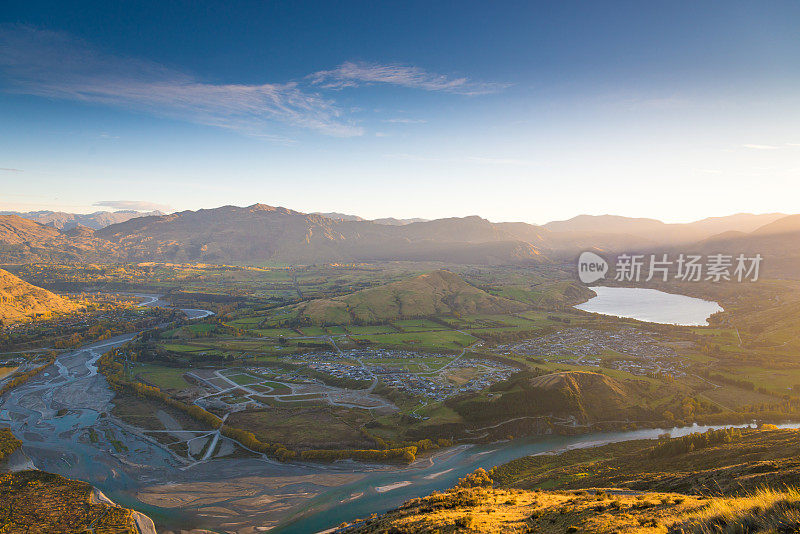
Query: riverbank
column 338, row 506
column 236, row 494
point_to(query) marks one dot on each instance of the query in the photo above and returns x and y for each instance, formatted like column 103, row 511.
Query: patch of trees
column 443, row 433
column 684, row 409
column 8, row 443
column 114, row 373
column 400, row 455
column 693, row 442
column 249, row 440
column 456, row 497
column 477, row 479
column 92, row 326
column 424, row 444
column 21, row 378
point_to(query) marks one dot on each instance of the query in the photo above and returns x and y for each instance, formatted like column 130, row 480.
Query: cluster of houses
column 584, row 342
column 626, row 349
column 431, row 383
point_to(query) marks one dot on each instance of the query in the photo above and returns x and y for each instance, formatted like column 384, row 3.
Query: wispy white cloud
column 654, row 102
column 761, row 147
column 135, row 205
column 416, row 157
column 57, row 65
column 501, row 161
column 406, row 121
column 462, row 160
column 7, row 169
column 356, row 74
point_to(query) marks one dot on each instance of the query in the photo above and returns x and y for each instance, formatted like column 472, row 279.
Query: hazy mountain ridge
column 67, row 221
column 229, row 233
column 261, row 232
column 389, row 221
column 336, row 216
column 778, row 242
column 15, row 230
column 26, row 241
column 660, row 232
column 265, row 233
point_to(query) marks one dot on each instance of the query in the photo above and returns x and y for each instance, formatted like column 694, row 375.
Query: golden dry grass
column 763, row 511
column 603, row 512
column 20, row 301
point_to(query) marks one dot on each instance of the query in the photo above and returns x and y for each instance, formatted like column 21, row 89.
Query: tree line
column 8, row 443
column 695, row 441
column 21, row 378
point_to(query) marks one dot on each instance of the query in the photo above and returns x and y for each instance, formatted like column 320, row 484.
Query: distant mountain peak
column 783, row 225
column 336, row 216
column 262, row 207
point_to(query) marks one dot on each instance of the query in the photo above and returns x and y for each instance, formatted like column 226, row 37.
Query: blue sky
column 511, row 110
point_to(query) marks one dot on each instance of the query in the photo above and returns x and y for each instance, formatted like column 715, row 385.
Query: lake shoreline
column 650, row 306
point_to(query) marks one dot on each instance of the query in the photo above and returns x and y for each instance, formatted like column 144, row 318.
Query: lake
column 650, row 305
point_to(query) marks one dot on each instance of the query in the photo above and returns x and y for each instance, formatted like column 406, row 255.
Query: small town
column 425, row 375
column 583, row 346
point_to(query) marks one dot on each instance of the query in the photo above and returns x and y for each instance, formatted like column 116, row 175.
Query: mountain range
column 391, row 221
column 258, row 233
column 68, row 221
column 652, row 229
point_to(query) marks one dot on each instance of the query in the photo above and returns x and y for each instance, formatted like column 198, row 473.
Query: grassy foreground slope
column 437, row 293
column 39, row 502
column 489, row 510
column 20, row 300
column 753, row 474
column 732, row 462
